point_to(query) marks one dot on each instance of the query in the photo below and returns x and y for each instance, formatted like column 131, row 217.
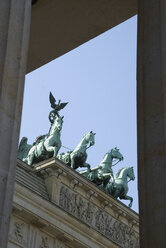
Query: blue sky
column 98, row 79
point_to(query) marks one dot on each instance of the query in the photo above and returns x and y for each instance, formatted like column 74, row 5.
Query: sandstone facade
column 55, row 207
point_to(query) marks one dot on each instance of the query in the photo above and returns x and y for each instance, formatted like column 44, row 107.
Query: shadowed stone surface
column 60, row 26
column 151, row 73
column 76, row 213
column 14, row 37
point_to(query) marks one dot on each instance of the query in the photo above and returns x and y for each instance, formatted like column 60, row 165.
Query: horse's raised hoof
column 73, row 167
column 130, row 205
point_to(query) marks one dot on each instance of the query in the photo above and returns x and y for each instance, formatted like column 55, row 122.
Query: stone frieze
column 98, row 219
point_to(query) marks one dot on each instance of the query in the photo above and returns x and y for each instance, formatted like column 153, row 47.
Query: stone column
column 14, row 37
column 151, row 77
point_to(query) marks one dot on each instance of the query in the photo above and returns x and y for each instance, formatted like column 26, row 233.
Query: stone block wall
column 56, row 207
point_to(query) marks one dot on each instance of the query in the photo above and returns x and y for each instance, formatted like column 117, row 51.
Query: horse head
column 116, row 154
column 57, row 124
column 90, row 138
column 121, row 184
column 130, row 173
column 125, row 172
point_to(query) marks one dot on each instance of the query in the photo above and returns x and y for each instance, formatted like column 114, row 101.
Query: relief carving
column 75, row 205
column 98, row 219
column 44, row 243
column 18, row 231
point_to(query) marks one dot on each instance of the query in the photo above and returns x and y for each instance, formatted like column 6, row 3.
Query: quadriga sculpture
column 119, row 187
column 103, row 173
column 45, row 146
column 65, row 157
column 78, row 157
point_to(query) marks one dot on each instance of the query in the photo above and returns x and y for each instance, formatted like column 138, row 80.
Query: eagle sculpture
column 56, row 107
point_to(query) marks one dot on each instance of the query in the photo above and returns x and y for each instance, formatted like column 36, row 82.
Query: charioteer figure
column 48, row 145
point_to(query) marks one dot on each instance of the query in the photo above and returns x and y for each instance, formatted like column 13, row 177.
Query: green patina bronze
column 116, row 186
column 56, row 107
column 23, row 148
column 45, row 146
column 48, row 145
column 119, row 187
column 103, row 173
column 65, row 157
column 78, row 157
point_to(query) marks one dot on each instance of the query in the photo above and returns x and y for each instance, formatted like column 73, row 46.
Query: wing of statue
column 61, row 106
column 52, row 101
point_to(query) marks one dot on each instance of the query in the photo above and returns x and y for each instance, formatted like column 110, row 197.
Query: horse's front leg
column 29, row 158
column 73, row 164
column 86, row 165
column 127, row 197
column 56, row 149
column 51, row 149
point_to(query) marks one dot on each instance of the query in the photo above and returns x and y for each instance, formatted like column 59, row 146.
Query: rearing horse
column 78, row 156
column 46, row 146
column 119, row 187
column 103, row 173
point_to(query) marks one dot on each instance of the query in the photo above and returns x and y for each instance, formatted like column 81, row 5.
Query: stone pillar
column 151, row 77
column 14, row 38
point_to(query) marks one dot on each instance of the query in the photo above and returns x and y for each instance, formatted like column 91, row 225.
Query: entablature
column 76, row 204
